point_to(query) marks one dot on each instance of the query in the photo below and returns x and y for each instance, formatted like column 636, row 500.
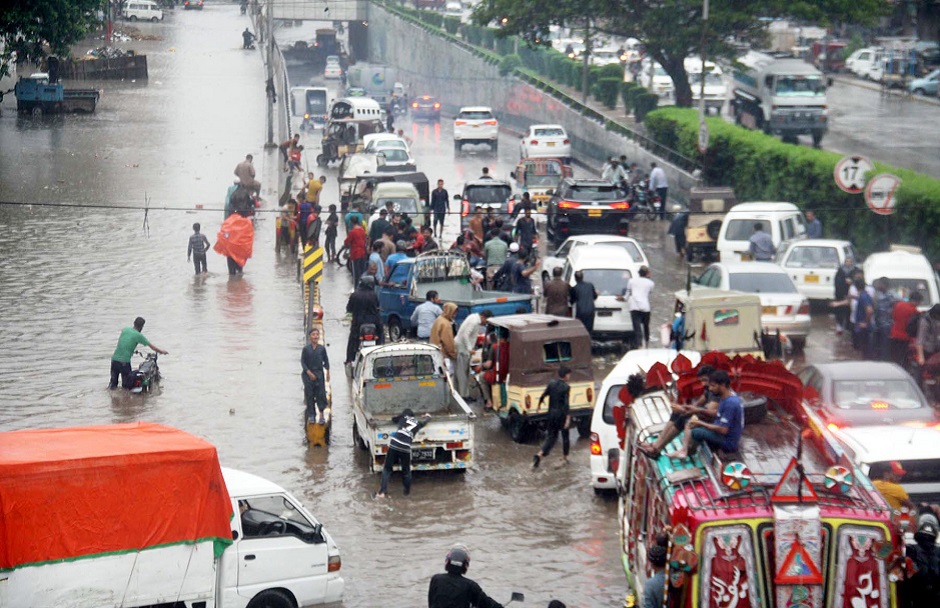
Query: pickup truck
column 448, row 273
column 391, row 377
column 37, row 95
column 142, row 514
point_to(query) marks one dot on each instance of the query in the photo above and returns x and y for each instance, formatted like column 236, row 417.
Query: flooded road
column 71, row 278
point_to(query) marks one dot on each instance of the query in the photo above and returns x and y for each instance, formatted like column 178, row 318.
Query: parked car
column 545, row 141
column 560, row 256
column 926, row 85
column 192, row 5
column 488, row 194
column 812, row 264
column 476, row 125
column 145, row 10
column 608, row 269
column 783, row 307
column 782, row 221
column 862, row 61
column 864, row 393
column 587, row 206
column 425, row 107
column 907, row 271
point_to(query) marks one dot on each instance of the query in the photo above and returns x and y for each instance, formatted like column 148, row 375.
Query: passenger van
column 603, row 427
column 312, row 104
column 145, row 10
column 783, row 221
column 357, row 108
column 907, row 271
column 609, row 269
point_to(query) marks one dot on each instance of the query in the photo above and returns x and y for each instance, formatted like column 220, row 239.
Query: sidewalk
column 874, row 86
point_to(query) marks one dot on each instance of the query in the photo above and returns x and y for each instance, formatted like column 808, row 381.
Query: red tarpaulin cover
column 236, row 238
column 80, row 492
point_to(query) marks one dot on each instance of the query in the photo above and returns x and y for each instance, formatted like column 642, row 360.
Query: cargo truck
column 37, row 95
column 782, row 96
column 140, row 514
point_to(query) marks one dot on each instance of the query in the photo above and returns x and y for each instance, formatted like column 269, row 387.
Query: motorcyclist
column 364, row 306
column 452, row 589
column 615, row 173
column 248, row 39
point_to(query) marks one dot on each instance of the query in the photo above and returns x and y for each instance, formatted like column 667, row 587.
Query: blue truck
column 36, row 94
column 447, row 273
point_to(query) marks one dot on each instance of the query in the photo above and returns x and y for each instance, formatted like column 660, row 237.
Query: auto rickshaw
column 540, row 177
column 707, row 208
column 537, row 346
column 343, row 137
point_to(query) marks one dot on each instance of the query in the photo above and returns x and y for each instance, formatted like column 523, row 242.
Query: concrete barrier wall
column 428, row 64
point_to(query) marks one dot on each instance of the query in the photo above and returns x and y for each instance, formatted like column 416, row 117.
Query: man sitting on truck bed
column 706, row 405
column 725, row 433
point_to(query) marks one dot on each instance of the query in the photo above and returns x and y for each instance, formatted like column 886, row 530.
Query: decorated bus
column 786, row 521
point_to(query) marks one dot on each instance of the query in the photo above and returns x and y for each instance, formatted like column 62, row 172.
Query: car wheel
column 394, row 329
column 154, row 19
column 133, row 17
column 494, row 147
column 755, row 407
column 518, row 427
column 456, row 147
column 920, row 92
column 272, row 598
column 584, row 427
column 712, row 229
column 360, row 443
column 37, row 111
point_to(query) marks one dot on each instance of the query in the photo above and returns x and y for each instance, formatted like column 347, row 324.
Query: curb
column 874, row 86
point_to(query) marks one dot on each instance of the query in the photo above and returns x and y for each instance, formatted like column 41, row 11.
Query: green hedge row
column 761, row 167
column 452, row 25
column 605, row 91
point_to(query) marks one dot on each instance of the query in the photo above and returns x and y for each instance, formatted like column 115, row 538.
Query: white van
column 356, row 108
column 863, row 61
column 609, row 269
column 603, row 429
column 144, row 10
column 907, row 271
column 716, row 89
column 783, row 221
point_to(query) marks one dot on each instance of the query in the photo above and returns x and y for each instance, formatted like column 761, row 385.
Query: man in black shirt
column 316, row 373
column 377, row 229
column 558, row 419
column 363, row 304
column 705, row 406
column 453, row 589
column 582, row 298
column 440, row 205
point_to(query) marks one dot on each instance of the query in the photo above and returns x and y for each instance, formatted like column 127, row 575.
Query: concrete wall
column 429, row 64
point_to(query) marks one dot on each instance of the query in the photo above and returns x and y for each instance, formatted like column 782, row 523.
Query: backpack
column 913, row 324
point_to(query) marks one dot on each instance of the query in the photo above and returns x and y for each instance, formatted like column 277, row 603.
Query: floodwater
column 71, row 278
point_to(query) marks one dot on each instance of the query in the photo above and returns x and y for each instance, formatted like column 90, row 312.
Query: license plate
column 423, row 454
column 605, row 313
column 368, row 342
column 476, row 126
column 551, row 144
column 770, row 310
column 594, row 212
column 811, row 278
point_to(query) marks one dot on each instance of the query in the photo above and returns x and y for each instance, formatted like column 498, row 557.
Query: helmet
column 458, row 558
column 367, row 282
column 927, row 527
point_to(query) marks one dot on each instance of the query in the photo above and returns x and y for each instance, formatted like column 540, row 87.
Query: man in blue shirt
column 425, row 314
column 654, row 589
column 813, row 226
column 725, row 432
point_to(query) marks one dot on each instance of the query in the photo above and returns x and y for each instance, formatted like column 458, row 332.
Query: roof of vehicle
column 400, row 348
column 240, row 484
column 534, row 322
column 643, row 359
column 763, row 207
column 890, row 442
column 394, row 190
column 588, row 181
column 601, row 257
column 896, row 264
column 360, row 103
column 862, row 370
column 598, row 239
column 709, row 296
column 750, row 267
column 818, row 243
column 381, row 138
column 476, row 109
column 546, row 127
column 479, row 183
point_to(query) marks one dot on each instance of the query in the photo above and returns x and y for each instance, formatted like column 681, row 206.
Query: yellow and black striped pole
column 313, row 264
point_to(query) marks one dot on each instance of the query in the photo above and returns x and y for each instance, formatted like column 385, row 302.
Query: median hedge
column 605, row 91
column 761, row 167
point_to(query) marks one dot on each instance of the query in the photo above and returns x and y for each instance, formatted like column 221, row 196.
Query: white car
column 332, row 71
column 476, row 125
column 783, row 307
column 607, row 268
column 558, row 259
column 863, row 61
column 545, row 141
column 603, row 428
column 396, row 157
column 812, row 264
column 657, row 80
column 376, row 142
column 453, row 9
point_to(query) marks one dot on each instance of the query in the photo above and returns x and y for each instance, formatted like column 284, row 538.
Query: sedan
column 192, row 5
column 812, row 264
column 864, row 393
column 545, row 140
column 425, row 107
column 332, row 70
column 559, row 257
column 784, row 308
column 926, row 85
column 396, row 157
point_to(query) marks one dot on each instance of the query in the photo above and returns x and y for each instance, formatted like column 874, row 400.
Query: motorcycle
column 146, row 375
column 368, row 335
column 645, row 203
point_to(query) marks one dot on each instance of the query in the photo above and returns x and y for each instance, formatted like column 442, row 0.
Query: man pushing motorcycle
column 121, row 359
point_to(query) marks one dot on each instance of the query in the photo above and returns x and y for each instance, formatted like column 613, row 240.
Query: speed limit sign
column 850, row 173
column 881, row 193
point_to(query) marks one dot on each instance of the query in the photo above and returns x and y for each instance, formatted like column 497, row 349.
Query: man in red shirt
column 900, row 340
column 356, row 242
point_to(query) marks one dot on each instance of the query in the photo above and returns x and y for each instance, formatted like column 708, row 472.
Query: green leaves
column 28, row 25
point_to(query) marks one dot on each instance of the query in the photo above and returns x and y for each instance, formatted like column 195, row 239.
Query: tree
column 671, row 31
column 33, row 29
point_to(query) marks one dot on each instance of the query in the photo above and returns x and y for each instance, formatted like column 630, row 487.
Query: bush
column 632, row 94
column 452, row 24
column 433, row 18
column 505, row 46
column 473, row 34
column 509, row 63
column 761, row 167
column 605, row 91
column 625, row 89
column 612, row 70
column 643, row 104
column 488, row 38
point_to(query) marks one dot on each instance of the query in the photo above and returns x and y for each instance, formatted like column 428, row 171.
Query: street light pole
column 269, row 62
column 701, row 100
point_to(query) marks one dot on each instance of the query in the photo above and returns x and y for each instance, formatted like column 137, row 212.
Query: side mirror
column 234, row 534
column 550, row 192
column 457, row 197
column 512, row 174
column 613, row 460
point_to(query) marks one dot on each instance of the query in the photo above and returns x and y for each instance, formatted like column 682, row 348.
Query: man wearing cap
column 889, row 485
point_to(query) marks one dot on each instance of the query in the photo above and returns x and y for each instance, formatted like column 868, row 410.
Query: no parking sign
column 881, row 193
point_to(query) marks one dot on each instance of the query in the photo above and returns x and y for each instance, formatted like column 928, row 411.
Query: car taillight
column 437, row 106
column 804, row 308
column 534, row 142
column 528, row 401
column 458, row 123
column 590, row 394
column 622, row 206
column 335, row 563
column 879, row 405
column 414, row 105
column 832, row 427
column 465, row 210
column 595, row 445
column 566, row 142
column 492, row 123
column 456, row 445
column 568, row 205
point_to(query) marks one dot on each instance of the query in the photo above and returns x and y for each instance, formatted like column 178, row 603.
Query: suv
column 587, row 206
column 489, row 194
column 425, row 106
column 476, row 125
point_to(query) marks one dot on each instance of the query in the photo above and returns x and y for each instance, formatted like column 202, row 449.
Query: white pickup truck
column 389, row 378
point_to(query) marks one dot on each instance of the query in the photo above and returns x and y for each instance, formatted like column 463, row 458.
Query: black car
column 192, row 5
column 493, row 196
column 587, row 206
column 425, row 107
